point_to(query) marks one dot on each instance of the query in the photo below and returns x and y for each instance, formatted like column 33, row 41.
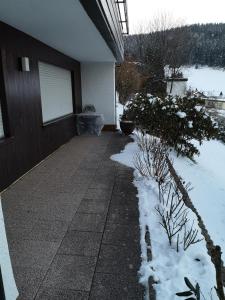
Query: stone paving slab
column 54, row 294
column 115, row 286
column 72, row 225
column 88, row 222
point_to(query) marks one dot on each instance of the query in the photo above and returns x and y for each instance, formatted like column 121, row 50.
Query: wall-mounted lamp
column 25, row 63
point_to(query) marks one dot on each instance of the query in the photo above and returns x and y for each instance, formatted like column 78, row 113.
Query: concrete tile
column 116, row 286
column 124, row 186
column 71, row 272
column 81, row 243
column 19, row 218
column 107, row 163
column 48, row 230
column 55, row 198
column 103, row 180
column 28, row 281
column 127, row 202
column 118, row 260
column 98, row 184
column 93, row 206
column 94, row 193
column 56, row 294
column 89, row 164
column 17, row 233
column 75, row 183
column 88, row 222
column 32, row 254
column 125, row 235
column 59, row 211
column 124, row 216
column 59, row 186
column 12, row 195
column 107, row 172
column 83, row 176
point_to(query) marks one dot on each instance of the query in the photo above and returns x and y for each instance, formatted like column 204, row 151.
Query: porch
column 72, row 225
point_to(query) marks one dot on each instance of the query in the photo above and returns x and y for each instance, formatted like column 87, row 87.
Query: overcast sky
column 191, row 11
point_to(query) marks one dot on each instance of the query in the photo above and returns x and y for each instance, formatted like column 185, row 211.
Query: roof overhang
column 110, row 17
column 84, row 30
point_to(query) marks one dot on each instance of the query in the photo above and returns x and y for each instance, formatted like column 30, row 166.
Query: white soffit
column 61, row 24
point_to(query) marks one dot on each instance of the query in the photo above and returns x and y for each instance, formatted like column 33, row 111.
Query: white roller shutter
column 1, row 124
column 56, row 91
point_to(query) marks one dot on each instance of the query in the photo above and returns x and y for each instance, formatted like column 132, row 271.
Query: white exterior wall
column 179, row 88
column 98, row 88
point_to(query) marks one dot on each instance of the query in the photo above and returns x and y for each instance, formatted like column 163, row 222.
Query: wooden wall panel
column 28, row 141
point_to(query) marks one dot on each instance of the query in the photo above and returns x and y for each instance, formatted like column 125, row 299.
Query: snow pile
column 10, row 288
column 119, row 111
column 190, row 124
column 167, row 267
column 221, row 113
column 181, row 114
column 152, row 100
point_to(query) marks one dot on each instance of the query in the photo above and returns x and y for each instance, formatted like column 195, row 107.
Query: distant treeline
column 202, row 44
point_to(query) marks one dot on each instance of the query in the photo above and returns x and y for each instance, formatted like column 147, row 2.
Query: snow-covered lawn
column 168, row 267
column 208, row 80
column 207, row 177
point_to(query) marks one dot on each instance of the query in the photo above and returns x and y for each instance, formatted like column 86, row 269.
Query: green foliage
column 194, row 292
column 177, row 121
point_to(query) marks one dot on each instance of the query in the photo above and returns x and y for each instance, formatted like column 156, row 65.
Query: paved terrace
column 72, row 225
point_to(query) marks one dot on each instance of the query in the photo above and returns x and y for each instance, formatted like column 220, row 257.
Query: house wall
column 215, row 103
column 98, row 88
column 179, row 88
column 27, row 141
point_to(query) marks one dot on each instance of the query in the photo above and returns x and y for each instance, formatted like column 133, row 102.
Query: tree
column 204, row 44
column 128, row 80
column 166, row 46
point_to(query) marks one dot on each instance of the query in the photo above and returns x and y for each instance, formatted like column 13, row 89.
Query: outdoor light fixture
column 25, row 63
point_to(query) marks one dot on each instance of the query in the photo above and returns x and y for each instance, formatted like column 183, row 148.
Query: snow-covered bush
column 175, row 120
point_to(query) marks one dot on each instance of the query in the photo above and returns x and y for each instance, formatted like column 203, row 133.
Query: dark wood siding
column 27, row 141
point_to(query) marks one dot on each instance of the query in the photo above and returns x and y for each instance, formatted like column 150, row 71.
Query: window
column 56, row 92
column 1, row 124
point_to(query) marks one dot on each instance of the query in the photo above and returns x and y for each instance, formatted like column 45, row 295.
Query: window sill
column 52, row 122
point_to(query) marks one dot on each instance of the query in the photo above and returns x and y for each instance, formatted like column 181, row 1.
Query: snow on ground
column 119, row 111
column 167, row 266
column 207, row 177
column 221, row 112
column 11, row 291
column 206, row 79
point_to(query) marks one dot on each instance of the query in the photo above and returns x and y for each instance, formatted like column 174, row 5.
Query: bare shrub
column 150, row 160
column 172, row 212
column 174, row 217
column 190, row 237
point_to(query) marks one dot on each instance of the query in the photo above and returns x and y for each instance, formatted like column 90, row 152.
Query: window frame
column 3, row 101
column 63, row 117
